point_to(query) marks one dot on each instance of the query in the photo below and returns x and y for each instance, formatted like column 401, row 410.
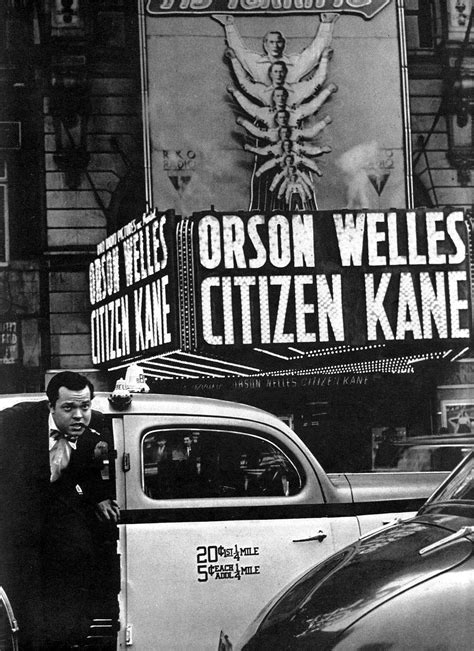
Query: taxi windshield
column 458, row 489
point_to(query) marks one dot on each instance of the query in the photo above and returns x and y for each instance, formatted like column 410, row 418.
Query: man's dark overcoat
column 46, row 545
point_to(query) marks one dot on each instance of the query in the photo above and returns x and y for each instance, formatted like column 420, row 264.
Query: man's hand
column 108, row 510
column 327, row 53
column 223, row 19
column 329, row 17
column 101, row 450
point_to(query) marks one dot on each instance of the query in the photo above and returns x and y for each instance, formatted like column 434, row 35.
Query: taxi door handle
column 320, row 536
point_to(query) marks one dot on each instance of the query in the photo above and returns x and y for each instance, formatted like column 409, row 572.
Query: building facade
column 74, row 169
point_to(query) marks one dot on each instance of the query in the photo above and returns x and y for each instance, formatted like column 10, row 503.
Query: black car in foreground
column 407, row 586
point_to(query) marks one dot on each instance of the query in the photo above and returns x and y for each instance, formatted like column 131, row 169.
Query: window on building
column 4, row 235
column 421, row 19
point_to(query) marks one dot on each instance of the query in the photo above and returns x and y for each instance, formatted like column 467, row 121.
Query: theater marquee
column 219, row 282
column 132, row 288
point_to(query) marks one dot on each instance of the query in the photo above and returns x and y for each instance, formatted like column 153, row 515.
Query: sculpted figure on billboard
column 280, row 92
column 257, row 63
column 295, row 188
column 283, row 132
column 298, row 92
column 287, row 144
column 279, row 101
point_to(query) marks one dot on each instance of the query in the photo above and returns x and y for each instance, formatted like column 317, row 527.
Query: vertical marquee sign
column 133, row 291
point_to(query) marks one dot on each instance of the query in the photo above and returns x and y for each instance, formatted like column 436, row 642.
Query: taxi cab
column 221, row 502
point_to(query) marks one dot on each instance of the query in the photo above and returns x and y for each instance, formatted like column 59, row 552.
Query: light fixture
column 68, row 90
column 68, row 106
column 459, row 87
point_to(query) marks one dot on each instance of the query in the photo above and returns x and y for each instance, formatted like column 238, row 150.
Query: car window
column 426, row 457
column 448, row 457
column 187, row 463
column 459, row 487
column 8, row 627
column 415, row 459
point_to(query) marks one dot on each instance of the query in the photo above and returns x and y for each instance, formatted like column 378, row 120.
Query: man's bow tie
column 56, row 435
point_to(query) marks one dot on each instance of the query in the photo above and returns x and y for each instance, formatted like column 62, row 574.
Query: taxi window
column 202, row 463
column 8, row 627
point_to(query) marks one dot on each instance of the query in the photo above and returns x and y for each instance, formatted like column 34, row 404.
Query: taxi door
column 217, row 516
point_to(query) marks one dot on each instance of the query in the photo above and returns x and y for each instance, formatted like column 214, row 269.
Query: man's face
column 277, row 74
column 274, row 44
column 72, row 411
column 281, row 118
column 287, row 146
column 187, row 441
column 279, row 97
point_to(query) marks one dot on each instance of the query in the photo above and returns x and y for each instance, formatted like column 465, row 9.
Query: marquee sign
column 326, row 278
column 366, row 8
column 220, row 282
column 132, row 288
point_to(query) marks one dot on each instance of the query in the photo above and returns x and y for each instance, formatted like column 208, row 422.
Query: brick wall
column 77, row 219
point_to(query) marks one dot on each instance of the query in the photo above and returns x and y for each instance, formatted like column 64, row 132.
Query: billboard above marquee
column 216, row 283
column 266, row 105
column 366, row 8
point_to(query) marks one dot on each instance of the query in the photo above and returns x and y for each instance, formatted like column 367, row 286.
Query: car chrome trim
column 464, row 531
column 263, row 512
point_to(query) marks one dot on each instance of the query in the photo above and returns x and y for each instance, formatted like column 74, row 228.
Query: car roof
column 153, row 403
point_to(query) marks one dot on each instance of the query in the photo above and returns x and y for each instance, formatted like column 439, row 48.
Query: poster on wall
column 279, row 111
column 9, row 342
column 458, row 418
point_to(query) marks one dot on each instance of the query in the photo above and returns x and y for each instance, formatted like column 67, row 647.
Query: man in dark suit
column 50, row 502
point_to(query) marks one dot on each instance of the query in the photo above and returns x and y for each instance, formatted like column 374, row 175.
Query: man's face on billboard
column 282, row 118
column 277, row 74
column 279, row 98
column 274, row 44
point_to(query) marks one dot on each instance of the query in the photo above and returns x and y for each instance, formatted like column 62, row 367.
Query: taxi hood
column 320, row 606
